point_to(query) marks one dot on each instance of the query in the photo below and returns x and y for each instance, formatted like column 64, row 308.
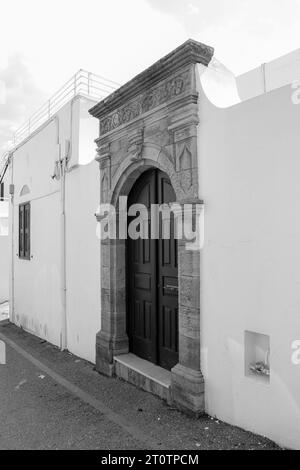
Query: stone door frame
column 152, row 122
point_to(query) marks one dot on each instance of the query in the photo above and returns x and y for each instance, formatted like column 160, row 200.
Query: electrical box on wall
column 257, row 356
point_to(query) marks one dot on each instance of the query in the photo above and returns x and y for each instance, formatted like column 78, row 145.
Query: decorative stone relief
column 168, row 150
column 185, row 166
column 152, row 98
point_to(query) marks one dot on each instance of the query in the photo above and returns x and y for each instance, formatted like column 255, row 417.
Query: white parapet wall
column 270, row 76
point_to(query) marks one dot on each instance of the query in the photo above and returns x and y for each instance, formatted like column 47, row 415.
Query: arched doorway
column 152, row 279
column 153, row 122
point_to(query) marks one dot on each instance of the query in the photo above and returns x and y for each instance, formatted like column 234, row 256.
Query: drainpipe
column 63, row 169
column 60, row 175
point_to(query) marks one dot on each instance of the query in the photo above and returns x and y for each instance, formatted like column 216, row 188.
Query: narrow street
column 52, row 400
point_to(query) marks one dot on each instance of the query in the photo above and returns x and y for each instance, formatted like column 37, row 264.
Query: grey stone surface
column 144, row 375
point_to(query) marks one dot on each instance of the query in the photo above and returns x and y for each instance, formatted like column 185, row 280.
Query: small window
column 24, row 231
column 1, row 191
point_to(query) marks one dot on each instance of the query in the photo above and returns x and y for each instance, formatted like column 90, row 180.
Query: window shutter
column 24, row 231
column 21, row 231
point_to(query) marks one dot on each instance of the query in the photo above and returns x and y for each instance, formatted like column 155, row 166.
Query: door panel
column 141, row 275
column 167, row 284
column 152, row 281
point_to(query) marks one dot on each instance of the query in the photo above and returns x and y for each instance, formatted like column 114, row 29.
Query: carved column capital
column 104, row 159
column 135, row 143
column 184, row 125
column 103, row 155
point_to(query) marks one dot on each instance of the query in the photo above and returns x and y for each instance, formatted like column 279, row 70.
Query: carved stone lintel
column 189, row 53
column 160, row 94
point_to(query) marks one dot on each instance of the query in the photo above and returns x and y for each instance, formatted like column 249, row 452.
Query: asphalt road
column 52, row 400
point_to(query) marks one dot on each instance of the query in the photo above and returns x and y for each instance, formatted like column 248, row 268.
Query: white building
column 54, row 258
column 233, row 143
column 4, row 241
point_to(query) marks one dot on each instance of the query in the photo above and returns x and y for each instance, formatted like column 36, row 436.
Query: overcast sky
column 44, row 42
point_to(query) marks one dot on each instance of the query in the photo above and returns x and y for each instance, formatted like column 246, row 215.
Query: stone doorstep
column 144, row 374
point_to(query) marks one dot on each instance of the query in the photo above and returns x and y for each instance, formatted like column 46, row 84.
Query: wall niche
column 257, row 356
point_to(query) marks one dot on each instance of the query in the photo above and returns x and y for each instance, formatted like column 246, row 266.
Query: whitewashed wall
column 37, row 285
column 250, row 264
column 4, row 246
column 83, row 247
column 36, row 303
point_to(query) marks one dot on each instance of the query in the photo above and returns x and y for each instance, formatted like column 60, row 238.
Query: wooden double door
column 152, row 279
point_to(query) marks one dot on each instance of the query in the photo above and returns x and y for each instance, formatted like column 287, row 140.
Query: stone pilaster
column 112, row 339
column 187, row 385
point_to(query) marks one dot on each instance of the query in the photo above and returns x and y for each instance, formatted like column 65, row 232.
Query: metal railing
column 82, row 83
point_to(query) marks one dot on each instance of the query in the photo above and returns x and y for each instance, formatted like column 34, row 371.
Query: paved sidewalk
column 52, row 400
